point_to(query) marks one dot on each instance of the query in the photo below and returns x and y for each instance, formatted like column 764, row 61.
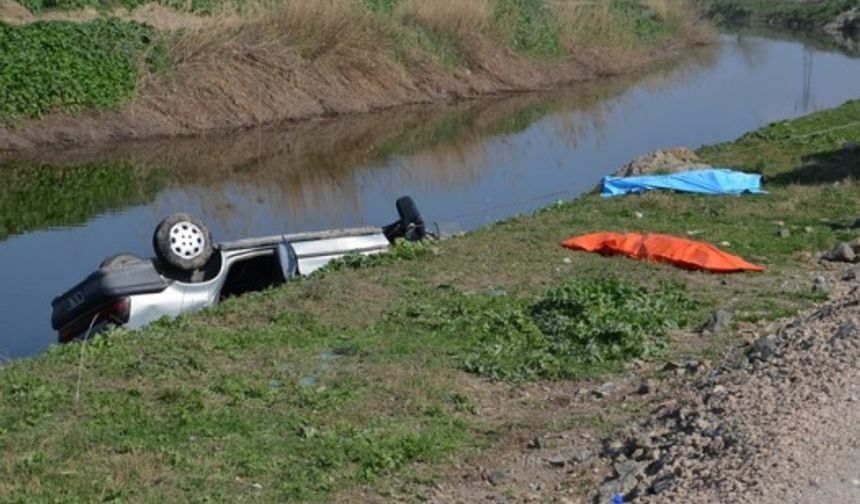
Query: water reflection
column 309, row 168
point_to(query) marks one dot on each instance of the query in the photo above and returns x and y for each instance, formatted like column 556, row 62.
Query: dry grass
column 683, row 15
column 313, row 27
column 309, row 28
column 595, row 24
column 454, row 17
column 586, row 23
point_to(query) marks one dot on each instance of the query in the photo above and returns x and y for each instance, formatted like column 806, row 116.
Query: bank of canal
column 466, row 165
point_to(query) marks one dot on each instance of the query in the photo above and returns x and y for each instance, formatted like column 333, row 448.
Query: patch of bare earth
column 160, row 17
column 13, row 12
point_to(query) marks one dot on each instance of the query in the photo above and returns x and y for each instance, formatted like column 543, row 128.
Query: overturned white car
column 189, row 272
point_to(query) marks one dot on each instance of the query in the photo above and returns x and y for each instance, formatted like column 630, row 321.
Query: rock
column 624, row 481
column 819, row 285
column 557, row 461
column 719, row 321
column 842, row 252
column 646, row 387
column 535, row 444
column 660, row 485
column 784, row 233
column 693, row 366
column 851, row 274
column 496, row 478
column 639, row 215
column 627, row 474
column 671, row 366
column 614, row 449
column 604, row 390
column 762, row 349
column 582, row 456
column 847, row 330
column 808, row 229
column 663, row 161
column 582, row 393
column 608, row 490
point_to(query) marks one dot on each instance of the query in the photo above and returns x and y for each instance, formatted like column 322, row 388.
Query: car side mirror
column 288, row 260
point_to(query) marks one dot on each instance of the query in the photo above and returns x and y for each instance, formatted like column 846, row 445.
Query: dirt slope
column 251, row 86
column 219, row 85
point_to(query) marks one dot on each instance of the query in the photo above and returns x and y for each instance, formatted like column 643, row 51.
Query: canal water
column 465, row 164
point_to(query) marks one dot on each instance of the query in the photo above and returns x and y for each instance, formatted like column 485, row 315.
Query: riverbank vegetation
column 164, row 62
column 379, row 374
column 810, row 15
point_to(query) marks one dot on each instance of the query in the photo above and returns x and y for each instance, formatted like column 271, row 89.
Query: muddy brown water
column 465, row 164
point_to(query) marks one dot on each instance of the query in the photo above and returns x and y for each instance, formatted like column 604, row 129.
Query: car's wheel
column 410, row 219
column 120, row 260
column 183, row 242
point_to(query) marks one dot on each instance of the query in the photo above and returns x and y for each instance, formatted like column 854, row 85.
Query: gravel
column 779, row 423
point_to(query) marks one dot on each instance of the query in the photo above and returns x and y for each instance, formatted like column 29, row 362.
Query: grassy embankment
column 355, row 375
column 810, row 15
column 65, row 66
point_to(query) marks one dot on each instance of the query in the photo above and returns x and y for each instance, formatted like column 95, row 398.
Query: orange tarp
column 662, row 248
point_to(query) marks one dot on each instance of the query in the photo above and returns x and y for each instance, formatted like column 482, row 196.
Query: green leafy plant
column 569, row 329
column 531, row 25
column 403, row 250
column 58, row 65
column 638, row 20
column 382, row 6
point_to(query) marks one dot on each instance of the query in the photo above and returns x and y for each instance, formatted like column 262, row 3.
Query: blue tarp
column 710, row 181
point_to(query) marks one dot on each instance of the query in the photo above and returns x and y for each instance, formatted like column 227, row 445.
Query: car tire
column 118, row 261
column 183, row 242
column 410, row 219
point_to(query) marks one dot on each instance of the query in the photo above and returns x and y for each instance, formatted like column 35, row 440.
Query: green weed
column 637, row 19
column 56, row 65
column 402, row 250
column 531, row 26
column 568, row 330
